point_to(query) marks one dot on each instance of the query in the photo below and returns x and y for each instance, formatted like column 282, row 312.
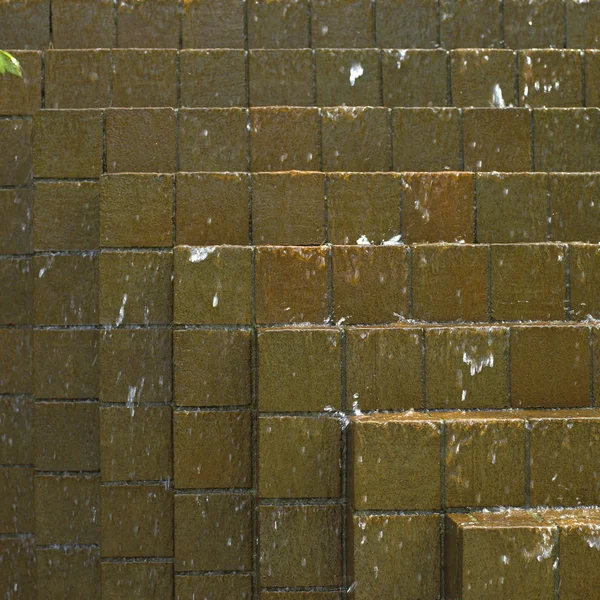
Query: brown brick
column 582, row 24
column 281, row 77
column 438, row 133
column 135, row 443
column 153, row 24
column 291, row 284
column 450, row 282
column 16, row 373
column 213, row 533
column 596, row 365
column 136, row 288
column 212, row 449
column 136, row 520
column 278, row 24
column 121, row 581
column 533, row 25
column 16, row 502
column 342, row 24
column 83, row 24
column 299, row 457
column 144, row 78
column 470, row 24
column 141, row 140
column 396, row 556
column 25, row 24
column 213, row 78
column 16, row 278
column 592, row 73
column 283, row 138
column 77, row 78
column 268, row 595
column 136, row 210
column 16, row 159
column 406, row 24
column 17, row 567
column 23, row 96
column 212, row 367
column 496, row 140
column 213, row 24
column 300, row 545
column 583, row 281
column 213, row 285
column 233, row 587
column 16, row 430
column 17, row 218
column 356, row 139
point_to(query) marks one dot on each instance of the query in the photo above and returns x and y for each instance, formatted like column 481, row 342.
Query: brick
column 543, row 377
column 23, row 96
column 591, row 60
column 300, row 545
column 528, row 282
column 370, row 283
column 356, row 139
column 596, row 365
column 496, row 140
column 136, row 210
column 235, row 587
column 299, row 457
column 582, row 24
column 438, row 131
column 16, row 275
column 283, row 138
column 77, row 78
column 213, row 285
column 212, row 449
column 16, row 373
column 278, row 24
column 342, row 24
column 583, row 280
column 136, row 288
column 213, row 24
column 267, row 595
column 213, row 532
column 212, row 367
column 135, row 443
column 147, row 378
column 281, row 77
column 17, row 567
column 16, row 430
column 136, row 521
column 291, row 284
column 213, row 78
column 348, row 77
column 396, row 462
column 148, row 24
column 16, row 504
column 470, row 24
column 83, row 24
column 288, row 208
column 137, row 580
column 403, row 70
column 450, row 282
column 142, row 78
column 67, row 509
column 396, row 556
column 16, row 159
column 65, row 289
column 213, row 208
column 299, row 369
column 438, row 208
column 511, row 207
column 16, row 206
column 141, row 140
column 402, row 24
column 25, row 24
column 66, row 215
column 533, row 25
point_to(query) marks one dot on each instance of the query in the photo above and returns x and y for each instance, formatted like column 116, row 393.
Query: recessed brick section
column 155, row 25
column 468, row 24
column 213, row 24
column 278, row 24
column 533, row 25
column 16, row 153
column 402, row 24
column 25, row 24
column 342, row 24
column 83, row 24
column 137, row 579
column 23, row 96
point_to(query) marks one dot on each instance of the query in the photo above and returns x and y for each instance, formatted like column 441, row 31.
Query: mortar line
column 391, row 130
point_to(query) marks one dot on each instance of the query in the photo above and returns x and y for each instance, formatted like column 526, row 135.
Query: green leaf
column 9, row 64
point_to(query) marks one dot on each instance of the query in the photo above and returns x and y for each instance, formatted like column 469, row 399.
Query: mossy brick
column 288, row 208
column 16, row 430
column 438, row 207
column 300, row 545
column 23, row 96
column 468, row 24
column 65, row 290
column 496, row 140
column 450, row 282
column 83, row 24
column 17, row 502
column 212, row 208
column 213, row 78
column 511, row 207
column 370, row 283
column 528, row 282
column 16, row 206
column 270, row 595
column 67, row 509
column 212, row 367
column 583, row 281
column 281, row 77
column 16, row 275
column 135, row 443
column 533, row 25
column 213, row 139
column 213, row 532
column 542, row 377
column 212, row 449
column 278, row 24
column 348, row 77
column 153, row 24
column 136, row 210
column 284, row 138
column 16, row 361
column 148, row 579
column 136, row 521
column 299, row 457
column 145, row 379
column 136, row 288
column 406, row 24
column 141, row 140
column 403, row 72
column 213, row 23
column 341, row 24
column 596, row 365
column 213, row 285
column 142, row 78
column 438, row 133
column 356, row 139
column 395, row 462
column 25, row 24
column 291, row 284
column 235, row 586
column 395, row 556
column 66, row 215
column 77, row 78
column 582, row 20
column 299, row 369
column 591, row 60
column 17, row 567
column 16, row 157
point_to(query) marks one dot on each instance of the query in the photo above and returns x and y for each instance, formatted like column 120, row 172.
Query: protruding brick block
column 16, row 427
